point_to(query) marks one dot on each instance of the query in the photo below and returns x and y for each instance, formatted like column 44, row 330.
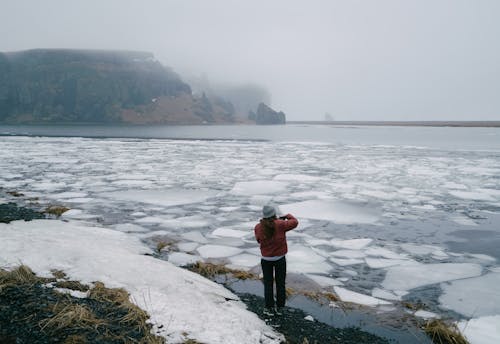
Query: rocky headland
column 53, row 86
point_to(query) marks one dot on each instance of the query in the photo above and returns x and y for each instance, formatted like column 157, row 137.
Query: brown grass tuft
column 20, row 275
column 73, row 285
column 59, row 274
column 114, row 295
column 442, row 332
column 160, row 245
column 75, row 339
column 211, row 270
column 71, row 315
column 56, row 210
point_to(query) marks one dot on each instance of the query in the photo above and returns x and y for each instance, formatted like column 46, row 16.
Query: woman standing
column 270, row 234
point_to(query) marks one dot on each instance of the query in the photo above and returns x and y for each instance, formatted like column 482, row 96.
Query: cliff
column 91, row 86
column 266, row 115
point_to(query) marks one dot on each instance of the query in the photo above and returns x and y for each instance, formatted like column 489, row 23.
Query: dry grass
column 20, row 275
column 59, row 274
column 56, row 210
column 75, row 339
column 73, row 285
column 114, row 295
column 211, row 270
column 442, row 332
column 134, row 316
column 160, row 245
column 71, row 315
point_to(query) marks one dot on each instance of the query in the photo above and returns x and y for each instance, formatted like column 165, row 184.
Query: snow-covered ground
column 378, row 224
column 186, row 304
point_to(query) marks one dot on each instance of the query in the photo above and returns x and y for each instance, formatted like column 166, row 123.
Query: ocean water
column 387, row 214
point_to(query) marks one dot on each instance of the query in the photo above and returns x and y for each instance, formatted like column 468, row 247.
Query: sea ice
column 346, row 261
column 475, row 196
column 182, row 259
column 167, row 197
column 425, row 314
column 217, row 251
column 384, row 253
column 362, row 299
column 195, row 236
column 245, row 260
column 413, row 276
column 324, row 281
column 335, row 211
column 352, row 244
column 302, row 259
column 483, row 330
column 348, row 254
column 229, row 232
column 385, row 294
column 377, row 263
column 258, row 187
column 296, row 178
column 473, row 297
column 129, row 228
column 187, row 246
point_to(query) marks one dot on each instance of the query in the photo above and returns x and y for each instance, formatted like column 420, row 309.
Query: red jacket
column 276, row 245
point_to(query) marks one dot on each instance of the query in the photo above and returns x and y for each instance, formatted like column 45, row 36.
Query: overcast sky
column 357, row 60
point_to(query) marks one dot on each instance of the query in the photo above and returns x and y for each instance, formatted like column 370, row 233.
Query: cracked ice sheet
column 483, row 330
column 362, row 299
column 89, row 254
column 166, row 198
column 408, row 277
column 473, row 297
column 331, row 210
column 259, row 187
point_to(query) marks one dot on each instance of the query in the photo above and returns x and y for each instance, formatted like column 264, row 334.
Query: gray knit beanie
column 268, row 211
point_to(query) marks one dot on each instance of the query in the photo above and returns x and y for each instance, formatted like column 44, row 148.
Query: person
column 270, row 234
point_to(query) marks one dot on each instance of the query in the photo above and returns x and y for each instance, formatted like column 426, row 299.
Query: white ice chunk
column 419, row 250
column 385, row 294
column 463, row 220
column 217, row 251
column 335, row 211
column 182, row 259
column 478, row 296
column 129, row 228
column 69, row 194
column 309, row 318
column 324, row 281
column 348, row 254
column 259, row 187
column 483, row 330
column 302, row 259
column 377, row 263
column 195, row 236
column 472, row 196
column 383, row 252
column 167, row 198
column 413, row 276
column 484, row 257
column 187, row 246
column 346, row 261
column 229, row 232
column 296, row 178
column 352, row 244
column 425, row 314
column 245, row 260
column 362, row 299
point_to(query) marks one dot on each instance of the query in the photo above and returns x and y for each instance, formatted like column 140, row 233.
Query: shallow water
column 394, row 213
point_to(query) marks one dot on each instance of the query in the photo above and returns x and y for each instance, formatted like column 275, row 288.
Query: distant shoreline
column 465, row 124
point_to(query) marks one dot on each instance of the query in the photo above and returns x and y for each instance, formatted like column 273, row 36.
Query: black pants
column 276, row 269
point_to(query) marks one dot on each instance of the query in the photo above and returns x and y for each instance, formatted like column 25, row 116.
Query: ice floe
column 352, row 244
column 259, row 187
column 416, row 275
column 347, row 295
column 335, row 211
column 167, row 197
column 229, row 232
column 324, row 281
column 473, row 297
column 217, row 251
column 483, row 330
